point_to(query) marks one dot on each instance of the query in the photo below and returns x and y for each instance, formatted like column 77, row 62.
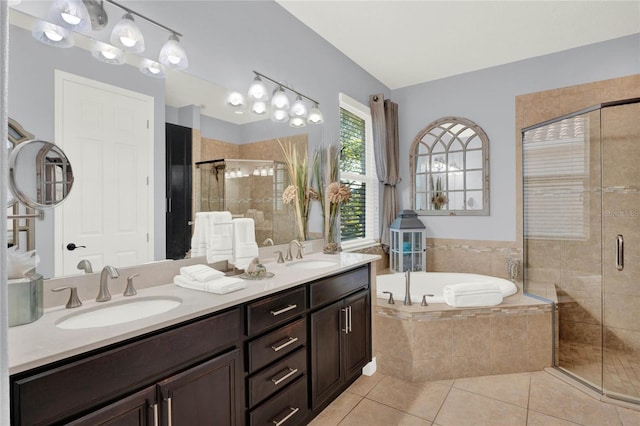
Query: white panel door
column 107, row 134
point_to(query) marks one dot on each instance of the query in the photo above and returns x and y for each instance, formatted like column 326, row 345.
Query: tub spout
column 407, row 288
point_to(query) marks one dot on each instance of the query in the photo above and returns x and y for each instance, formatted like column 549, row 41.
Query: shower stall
column 581, row 193
column 247, row 188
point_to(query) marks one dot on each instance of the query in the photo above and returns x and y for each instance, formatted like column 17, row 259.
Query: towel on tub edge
column 466, row 295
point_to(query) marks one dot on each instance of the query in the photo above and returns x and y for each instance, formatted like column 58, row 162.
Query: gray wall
column 487, row 97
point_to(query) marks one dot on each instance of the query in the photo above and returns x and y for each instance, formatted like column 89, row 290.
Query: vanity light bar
column 133, row 12
column 283, row 86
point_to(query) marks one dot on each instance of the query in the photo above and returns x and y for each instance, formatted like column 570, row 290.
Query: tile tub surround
column 416, row 343
column 473, row 256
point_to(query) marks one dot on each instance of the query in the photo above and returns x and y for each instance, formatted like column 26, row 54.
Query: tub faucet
column 110, row 272
column 407, row 287
column 267, row 242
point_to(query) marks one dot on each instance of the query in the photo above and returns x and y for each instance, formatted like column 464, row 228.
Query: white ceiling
column 402, row 43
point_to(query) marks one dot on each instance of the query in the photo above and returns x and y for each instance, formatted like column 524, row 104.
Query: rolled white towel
column 221, row 285
column 466, row 295
column 202, row 273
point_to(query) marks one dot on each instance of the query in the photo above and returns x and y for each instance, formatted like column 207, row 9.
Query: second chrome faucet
column 107, row 272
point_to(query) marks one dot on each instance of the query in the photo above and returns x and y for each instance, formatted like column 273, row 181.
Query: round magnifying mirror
column 40, row 174
column 10, row 198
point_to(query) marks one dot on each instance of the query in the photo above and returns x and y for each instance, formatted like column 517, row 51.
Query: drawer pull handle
column 290, row 372
column 169, row 413
column 287, row 417
column 155, row 414
column 283, row 310
column 290, row 340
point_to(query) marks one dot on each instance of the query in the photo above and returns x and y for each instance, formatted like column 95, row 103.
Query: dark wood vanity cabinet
column 340, row 346
column 276, row 360
column 104, row 384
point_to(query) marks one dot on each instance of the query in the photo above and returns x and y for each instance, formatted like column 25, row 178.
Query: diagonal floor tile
column 363, row 385
column 371, row 413
column 558, row 399
column 337, row 410
column 538, row 419
column 465, row 408
column 511, row 388
column 420, row 399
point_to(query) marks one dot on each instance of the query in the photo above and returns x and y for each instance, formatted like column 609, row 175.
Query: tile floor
column 533, row 399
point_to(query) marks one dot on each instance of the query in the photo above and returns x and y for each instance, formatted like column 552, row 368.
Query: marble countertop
column 41, row 342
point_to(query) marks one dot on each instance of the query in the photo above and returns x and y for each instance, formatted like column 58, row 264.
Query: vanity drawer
column 275, row 310
column 338, row 286
column 288, row 408
column 277, row 377
column 276, row 344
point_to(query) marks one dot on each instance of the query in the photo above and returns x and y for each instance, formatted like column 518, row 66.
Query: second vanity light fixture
column 83, row 16
column 281, row 109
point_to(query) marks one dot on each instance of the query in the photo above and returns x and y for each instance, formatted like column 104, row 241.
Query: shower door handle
column 619, row 252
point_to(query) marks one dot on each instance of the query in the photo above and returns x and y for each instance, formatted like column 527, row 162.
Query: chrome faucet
column 85, row 265
column 268, row 241
column 407, row 287
column 107, row 272
column 298, row 254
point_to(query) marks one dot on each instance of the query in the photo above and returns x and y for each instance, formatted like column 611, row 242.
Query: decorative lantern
column 408, row 238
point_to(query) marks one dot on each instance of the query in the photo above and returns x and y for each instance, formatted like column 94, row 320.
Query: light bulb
column 315, row 115
column 127, row 35
column 70, row 19
column 280, row 99
column 173, row 54
column 257, row 90
column 279, row 116
column 259, row 107
column 297, row 122
column 53, row 35
column 298, row 109
column 151, row 68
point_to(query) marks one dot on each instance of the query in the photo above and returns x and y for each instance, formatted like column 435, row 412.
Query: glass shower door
column 562, row 236
column 621, row 250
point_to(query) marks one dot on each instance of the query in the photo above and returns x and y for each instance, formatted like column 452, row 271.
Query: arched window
column 450, row 168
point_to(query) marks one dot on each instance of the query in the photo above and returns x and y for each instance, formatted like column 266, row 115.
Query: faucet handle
column 280, row 258
column 299, row 253
column 73, row 301
column 391, row 301
column 130, row 290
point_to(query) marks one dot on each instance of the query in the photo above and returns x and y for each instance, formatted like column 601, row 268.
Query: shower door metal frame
column 619, row 259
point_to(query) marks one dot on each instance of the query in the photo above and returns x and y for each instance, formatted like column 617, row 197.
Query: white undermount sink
column 311, row 264
column 113, row 313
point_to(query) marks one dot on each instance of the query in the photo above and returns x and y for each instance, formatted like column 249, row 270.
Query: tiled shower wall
column 574, row 269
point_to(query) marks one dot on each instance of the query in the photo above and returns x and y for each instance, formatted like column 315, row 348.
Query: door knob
column 72, row 246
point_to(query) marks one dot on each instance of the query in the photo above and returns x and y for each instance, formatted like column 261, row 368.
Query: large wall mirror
column 32, row 103
column 450, row 169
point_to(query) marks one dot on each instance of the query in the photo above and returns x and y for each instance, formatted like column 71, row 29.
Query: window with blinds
column 556, row 180
column 358, row 217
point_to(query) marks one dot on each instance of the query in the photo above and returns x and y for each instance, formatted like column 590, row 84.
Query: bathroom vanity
column 277, row 352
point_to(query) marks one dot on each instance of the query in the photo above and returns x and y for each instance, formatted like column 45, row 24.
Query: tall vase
column 332, row 236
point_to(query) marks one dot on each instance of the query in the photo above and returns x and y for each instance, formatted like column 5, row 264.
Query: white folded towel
column 245, row 248
column 213, row 236
column 465, row 295
column 202, row 273
column 221, row 285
